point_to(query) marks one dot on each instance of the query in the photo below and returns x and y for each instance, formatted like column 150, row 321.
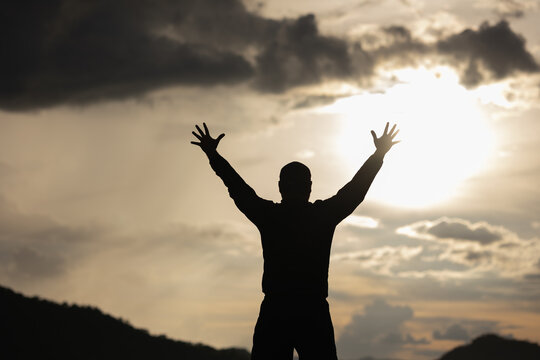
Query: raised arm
column 243, row 195
column 352, row 194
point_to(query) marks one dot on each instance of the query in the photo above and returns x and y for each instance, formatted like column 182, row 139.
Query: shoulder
column 318, row 203
column 268, row 204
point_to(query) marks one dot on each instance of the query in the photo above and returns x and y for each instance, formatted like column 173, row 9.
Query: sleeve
column 245, row 198
column 347, row 199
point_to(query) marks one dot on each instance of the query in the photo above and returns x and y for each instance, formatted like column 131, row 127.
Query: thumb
column 220, row 137
column 374, row 135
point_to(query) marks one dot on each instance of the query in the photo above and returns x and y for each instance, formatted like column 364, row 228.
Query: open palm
column 206, row 142
column 385, row 142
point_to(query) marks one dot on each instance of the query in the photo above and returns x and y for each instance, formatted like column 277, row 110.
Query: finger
column 195, row 143
column 394, row 134
column 386, row 128
column 374, row 135
column 392, row 129
column 220, row 137
column 196, row 135
column 206, row 129
column 200, row 131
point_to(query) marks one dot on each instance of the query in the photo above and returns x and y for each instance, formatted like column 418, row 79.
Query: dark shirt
column 296, row 237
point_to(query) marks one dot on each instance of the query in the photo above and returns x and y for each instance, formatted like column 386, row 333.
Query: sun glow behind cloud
column 445, row 135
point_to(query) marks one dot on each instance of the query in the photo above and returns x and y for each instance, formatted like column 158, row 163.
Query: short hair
column 295, row 172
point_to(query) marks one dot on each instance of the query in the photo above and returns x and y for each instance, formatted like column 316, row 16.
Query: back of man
column 296, row 238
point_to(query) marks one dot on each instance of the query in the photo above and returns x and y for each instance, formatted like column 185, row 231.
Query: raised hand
column 206, row 142
column 385, row 142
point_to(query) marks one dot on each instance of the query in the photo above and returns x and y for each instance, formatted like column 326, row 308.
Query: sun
column 445, row 137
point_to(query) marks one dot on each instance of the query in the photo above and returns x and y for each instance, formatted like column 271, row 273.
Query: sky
column 104, row 201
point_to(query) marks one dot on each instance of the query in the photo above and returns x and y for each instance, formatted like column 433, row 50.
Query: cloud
column 489, row 53
column 509, row 8
column 378, row 332
column 497, row 48
column 81, row 52
column 315, row 100
column 453, row 332
column 480, row 247
column 26, row 263
column 78, row 52
column 197, row 256
column 450, row 249
column 463, row 329
column 396, row 44
column 455, row 229
column 382, row 260
column 362, row 221
column 35, row 247
column 211, row 240
column 535, row 275
column 299, row 55
column 532, row 277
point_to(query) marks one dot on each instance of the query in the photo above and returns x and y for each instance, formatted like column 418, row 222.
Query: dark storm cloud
column 79, row 52
column 496, row 47
column 299, row 55
column 491, row 52
column 399, row 32
column 286, row 53
column 396, row 44
column 76, row 52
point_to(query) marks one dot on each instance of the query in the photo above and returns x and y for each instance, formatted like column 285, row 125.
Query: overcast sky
column 103, row 200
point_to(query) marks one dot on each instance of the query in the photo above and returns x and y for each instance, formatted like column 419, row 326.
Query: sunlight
column 445, row 137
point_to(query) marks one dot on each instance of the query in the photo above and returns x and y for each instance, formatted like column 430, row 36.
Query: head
column 295, row 182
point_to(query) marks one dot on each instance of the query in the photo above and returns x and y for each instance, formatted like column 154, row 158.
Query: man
column 296, row 237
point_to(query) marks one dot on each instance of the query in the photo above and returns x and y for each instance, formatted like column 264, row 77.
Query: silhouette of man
column 296, row 237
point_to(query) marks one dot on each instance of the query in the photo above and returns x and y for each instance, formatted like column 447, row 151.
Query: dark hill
column 493, row 347
column 33, row 328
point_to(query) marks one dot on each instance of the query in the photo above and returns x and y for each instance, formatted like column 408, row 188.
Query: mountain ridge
column 35, row 328
column 494, row 347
